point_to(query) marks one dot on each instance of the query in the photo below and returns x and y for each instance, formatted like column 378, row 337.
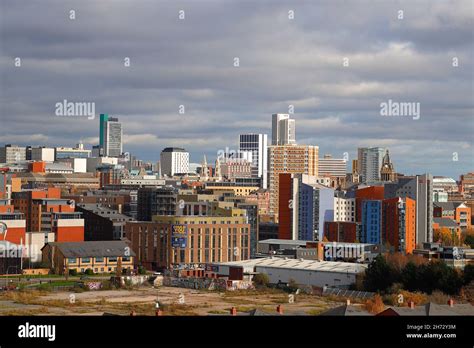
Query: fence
column 347, row 293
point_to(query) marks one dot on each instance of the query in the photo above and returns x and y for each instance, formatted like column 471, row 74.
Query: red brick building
column 201, row 239
column 46, row 211
column 285, row 211
column 340, row 231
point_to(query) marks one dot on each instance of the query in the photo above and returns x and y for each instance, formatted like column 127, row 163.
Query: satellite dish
column 3, row 229
column 457, row 253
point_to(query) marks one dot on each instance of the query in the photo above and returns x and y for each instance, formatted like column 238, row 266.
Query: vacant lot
column 173, row 301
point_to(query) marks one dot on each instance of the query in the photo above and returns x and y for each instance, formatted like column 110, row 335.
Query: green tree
column 469, row 240
column 409, row 277
column 439, row 276
column 468, row 274
column 379, row 276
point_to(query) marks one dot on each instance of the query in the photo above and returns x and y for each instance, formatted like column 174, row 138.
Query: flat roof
column 284, row 241
column 300, row 264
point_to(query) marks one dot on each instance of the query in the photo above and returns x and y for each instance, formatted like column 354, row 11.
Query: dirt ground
column 172, row 301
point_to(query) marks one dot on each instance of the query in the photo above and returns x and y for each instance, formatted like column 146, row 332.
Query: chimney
column 451, row 302
column 233, row 311
column 411, row 305
column 158, row 313
column 348, row 302
column 280, row 309
column 133, row 313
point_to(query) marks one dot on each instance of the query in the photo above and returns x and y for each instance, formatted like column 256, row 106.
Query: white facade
column 287, row 132
column 94, row 162
column 174, row 161
column 73, row 152
column 113, row 140
column 335, row 167
column 258, row 145
column 283, row 130
column 12, row 154
column 344, row 209
column 34, row 242
column 303, row 272
column 369, row 163
column 45, row 154
column 445, row 184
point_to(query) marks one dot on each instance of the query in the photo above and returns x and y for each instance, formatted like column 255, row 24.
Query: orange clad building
column 399, row 223
column 46, row 211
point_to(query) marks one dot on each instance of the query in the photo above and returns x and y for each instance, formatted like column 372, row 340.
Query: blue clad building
column 315, row 206
column 371, row 222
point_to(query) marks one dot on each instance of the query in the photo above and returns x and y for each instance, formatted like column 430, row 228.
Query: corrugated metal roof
column 319, row 266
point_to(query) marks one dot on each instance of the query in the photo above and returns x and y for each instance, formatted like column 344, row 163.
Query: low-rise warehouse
column 303, row 272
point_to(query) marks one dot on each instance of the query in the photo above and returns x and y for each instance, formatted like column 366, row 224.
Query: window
column 86, row 260
column 71, row 260
column 99, row 259
column 113, row 259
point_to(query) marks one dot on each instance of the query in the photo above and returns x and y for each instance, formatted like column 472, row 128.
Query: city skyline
column 300, row 62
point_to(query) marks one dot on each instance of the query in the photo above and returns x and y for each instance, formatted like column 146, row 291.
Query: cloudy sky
column 283, row 61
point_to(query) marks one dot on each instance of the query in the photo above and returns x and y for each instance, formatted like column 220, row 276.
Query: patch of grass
column 244, row 308
column 253, row 293
column 218, row 312
column 315, row 311
column 279, row 300
column 178, row 309
column 24, row 312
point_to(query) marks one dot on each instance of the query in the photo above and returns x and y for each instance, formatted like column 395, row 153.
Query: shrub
column 406, row 297
column 261, row 280
column 73, row 272
column 292, row 285
column 375, row 305
column 438, row 297
column 89, row 271
column 468, row 274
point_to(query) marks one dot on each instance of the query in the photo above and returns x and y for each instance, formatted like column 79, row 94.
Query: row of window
column 71, row 260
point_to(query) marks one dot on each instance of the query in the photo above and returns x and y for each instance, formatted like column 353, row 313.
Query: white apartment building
column 45, row 154
column 258, row 145
column 174, row 160
column 283, row 130
column 12, row 154
column 333, row 167
column 344, row 209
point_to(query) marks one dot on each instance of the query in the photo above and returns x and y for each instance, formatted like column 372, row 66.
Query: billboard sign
column 179, row 236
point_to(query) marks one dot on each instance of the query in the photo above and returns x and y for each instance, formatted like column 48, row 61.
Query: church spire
column 387, row 172
column 204, row 169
